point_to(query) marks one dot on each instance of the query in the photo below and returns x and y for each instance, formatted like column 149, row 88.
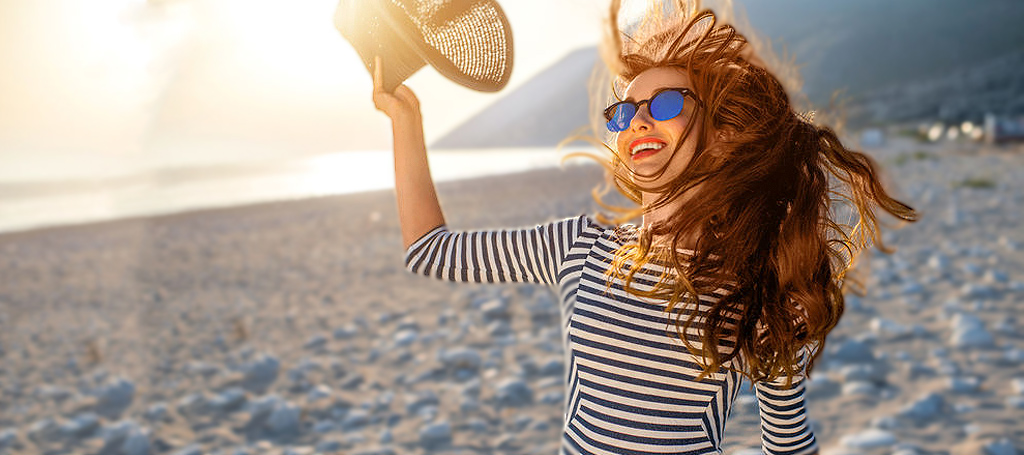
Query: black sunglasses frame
column 609, row 111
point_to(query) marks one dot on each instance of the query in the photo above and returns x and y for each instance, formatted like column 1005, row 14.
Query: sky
column 90, row 86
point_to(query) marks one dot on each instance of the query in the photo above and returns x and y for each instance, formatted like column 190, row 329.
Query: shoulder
column 621, row 234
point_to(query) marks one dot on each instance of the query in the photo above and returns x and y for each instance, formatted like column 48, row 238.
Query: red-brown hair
column 765, row 215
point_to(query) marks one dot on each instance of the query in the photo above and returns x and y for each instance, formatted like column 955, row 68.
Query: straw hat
column 468, row 41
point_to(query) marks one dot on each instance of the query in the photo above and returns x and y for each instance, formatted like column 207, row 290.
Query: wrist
column 409, row 122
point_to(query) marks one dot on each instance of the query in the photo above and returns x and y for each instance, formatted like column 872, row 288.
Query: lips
column 644, row 147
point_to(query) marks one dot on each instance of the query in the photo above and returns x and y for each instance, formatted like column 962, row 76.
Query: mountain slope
column 867, row 51
column 539, row 113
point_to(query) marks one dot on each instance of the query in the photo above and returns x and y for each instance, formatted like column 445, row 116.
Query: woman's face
column 675, row 151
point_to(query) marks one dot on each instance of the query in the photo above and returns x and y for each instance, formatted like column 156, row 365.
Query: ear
column 725, row 134
column 721, row 136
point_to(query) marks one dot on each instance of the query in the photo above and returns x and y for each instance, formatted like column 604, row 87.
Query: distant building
column 1000, row 130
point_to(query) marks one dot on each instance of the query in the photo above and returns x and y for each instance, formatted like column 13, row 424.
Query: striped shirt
column 632, row 386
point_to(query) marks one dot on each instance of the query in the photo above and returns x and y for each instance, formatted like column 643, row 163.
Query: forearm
column 418, row 208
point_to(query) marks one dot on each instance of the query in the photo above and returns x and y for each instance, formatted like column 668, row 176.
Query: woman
column 736, row 269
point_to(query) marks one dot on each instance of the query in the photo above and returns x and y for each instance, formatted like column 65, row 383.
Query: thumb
column 407, row 96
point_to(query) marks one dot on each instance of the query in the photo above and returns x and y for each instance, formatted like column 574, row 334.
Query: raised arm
column 418, row 209
column 785, row 428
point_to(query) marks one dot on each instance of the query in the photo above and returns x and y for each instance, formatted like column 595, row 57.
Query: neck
column 665, row 212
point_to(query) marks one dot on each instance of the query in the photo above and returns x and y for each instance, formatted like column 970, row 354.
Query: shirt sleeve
column 785, row 429
column 527, row 255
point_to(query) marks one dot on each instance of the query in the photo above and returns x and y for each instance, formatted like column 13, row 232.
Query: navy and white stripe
column 632, row 386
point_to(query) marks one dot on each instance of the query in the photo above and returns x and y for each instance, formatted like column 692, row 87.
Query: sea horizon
column 44, row 202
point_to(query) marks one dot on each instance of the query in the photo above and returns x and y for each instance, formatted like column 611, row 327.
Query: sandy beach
column 293, row 328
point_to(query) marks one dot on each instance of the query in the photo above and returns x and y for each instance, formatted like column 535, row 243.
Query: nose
column 641, row 120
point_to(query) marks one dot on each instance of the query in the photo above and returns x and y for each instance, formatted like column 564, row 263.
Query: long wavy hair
column 772, row 186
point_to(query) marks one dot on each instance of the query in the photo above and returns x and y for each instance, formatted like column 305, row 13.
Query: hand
column 401, row 105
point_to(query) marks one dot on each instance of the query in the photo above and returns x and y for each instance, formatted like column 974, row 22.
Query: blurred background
column 132, row 107
column 270, row 327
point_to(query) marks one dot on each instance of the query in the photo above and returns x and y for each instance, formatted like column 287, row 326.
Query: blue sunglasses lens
column 667, row 105
column 664, row 106
column 621, row 115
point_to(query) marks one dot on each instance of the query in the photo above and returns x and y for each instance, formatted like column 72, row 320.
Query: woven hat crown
column 468, row 41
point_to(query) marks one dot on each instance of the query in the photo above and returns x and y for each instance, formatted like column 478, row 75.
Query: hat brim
column 380, row 27
column 370, row 32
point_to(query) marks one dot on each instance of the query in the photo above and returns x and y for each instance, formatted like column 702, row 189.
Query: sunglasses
column 666, row 104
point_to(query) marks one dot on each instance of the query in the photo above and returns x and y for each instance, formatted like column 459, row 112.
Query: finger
column 383, row 102
column 378, row 77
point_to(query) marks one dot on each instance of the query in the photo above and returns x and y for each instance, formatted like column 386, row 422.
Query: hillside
column 913, row 60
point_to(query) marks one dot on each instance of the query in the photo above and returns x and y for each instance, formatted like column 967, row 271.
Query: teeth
column 647, row 145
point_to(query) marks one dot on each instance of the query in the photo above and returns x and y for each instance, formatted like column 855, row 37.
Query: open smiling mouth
column 646, row 149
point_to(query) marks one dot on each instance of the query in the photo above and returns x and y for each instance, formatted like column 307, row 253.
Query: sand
column 293, row 328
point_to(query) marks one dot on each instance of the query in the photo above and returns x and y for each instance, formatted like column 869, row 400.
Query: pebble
column 48, row 392
column 8, row 437
column 514, row 393
column 862, row 388
column 355, row 419
column 114, row 397
column 961, row 408
column 260, row 408
column 1015, row 402
column 436, row 434
column 499, row 328
column 496, row 309
column 156, row 411
column 996, row 276
column 136, row 443
column 43, row 430
column 853, row 351
column 925, row 407
column 261, row 373
column 969, row 332
column 863, row 372
column 885, row 327
column 115, row 434
column 868, row 439
column 820, row 386
column 324, row 426
column 318, row 393
column 192, row 405
column 202, row 369
column 81, row 425
column 1000, row 447
column 316, row 342
column 972, row 337
column 228, row 400
column 464, row 363
column 968, row 384
column 376, row 451
column 938, row 262
column 885, row 423
column 1014, row 356
column 552, row 398
column 552, row 367
column 406, row 338
column 284, row 419
column 190, row 449
column 476, row 425
column 345, row 333
column 422, row 399
column 978, row 291
column 1018, row 386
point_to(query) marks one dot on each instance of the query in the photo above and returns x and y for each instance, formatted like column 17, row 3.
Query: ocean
column 132, row 191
